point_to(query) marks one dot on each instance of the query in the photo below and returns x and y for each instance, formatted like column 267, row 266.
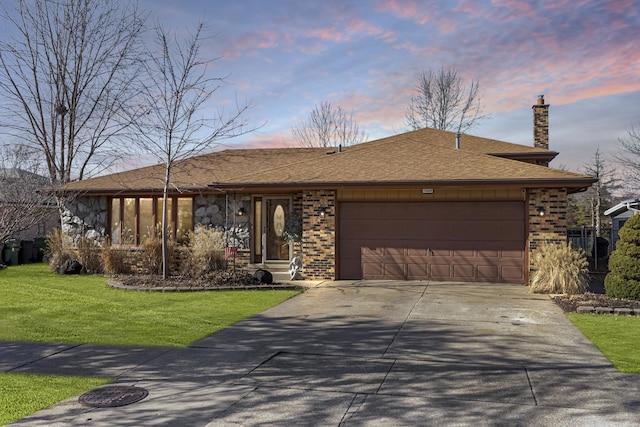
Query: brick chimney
column 541, row 124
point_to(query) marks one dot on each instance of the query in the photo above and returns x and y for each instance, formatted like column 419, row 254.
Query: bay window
column 133, row 219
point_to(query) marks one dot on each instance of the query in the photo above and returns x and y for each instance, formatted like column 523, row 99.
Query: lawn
column 24, row 394
column 617, row 337
column 41, row 306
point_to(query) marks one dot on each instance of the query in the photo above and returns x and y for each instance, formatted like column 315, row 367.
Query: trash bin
column 39, row 244
column 11, row 252
column 26, row 253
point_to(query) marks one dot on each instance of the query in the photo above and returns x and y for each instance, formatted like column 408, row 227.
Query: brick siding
column 319, row 234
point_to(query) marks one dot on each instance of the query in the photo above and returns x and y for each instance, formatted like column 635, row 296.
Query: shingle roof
column 426, row 155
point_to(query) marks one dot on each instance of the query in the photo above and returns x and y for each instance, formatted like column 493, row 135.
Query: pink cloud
column 251, row 42
column 406, row 10
column 619, row 6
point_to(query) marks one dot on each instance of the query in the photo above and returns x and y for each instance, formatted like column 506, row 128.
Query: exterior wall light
column 540, row 210
column 323, row 212
column 241, row 212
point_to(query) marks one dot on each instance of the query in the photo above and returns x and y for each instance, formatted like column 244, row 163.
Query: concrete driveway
column 362, row 353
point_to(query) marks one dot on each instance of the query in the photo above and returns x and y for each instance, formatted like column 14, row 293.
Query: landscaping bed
column 570, row 303
column 217, row 280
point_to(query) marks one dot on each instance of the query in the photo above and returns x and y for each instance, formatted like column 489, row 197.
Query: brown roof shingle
column 426, row 155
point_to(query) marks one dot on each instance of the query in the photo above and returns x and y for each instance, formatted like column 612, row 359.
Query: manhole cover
column 112, row 396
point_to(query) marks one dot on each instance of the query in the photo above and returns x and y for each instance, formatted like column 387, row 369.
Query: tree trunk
column 165, row 223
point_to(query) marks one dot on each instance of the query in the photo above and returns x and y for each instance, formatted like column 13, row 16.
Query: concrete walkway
column 364, row 353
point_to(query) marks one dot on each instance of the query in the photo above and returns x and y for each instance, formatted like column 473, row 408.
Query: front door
column 275, row 213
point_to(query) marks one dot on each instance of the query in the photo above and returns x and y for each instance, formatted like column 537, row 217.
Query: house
column 422, row 205
column 27, row 214
column 619, row 214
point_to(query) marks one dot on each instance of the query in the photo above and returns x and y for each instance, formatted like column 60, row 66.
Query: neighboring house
column 19, row 187
column 619, row 214
column 418, row 205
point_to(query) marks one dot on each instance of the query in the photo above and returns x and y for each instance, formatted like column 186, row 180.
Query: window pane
column 257, row 230
column 129, row 222
column 185, row 218
column 146, row 219
column 115, row 222
column 159, row 217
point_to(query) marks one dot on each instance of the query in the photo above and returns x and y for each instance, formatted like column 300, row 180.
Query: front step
column 279, row 271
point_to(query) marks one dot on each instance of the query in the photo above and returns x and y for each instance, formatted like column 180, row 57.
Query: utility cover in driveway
column 442, row 241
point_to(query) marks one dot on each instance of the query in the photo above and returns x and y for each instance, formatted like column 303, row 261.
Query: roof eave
column 573, row 183
column 549, row 155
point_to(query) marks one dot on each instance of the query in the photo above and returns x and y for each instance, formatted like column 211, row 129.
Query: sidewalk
column 369, row 353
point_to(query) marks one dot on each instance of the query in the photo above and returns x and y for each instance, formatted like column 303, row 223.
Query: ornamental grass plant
column 559, row 269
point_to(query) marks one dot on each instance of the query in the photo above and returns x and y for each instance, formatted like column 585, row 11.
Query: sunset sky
column 285, row 57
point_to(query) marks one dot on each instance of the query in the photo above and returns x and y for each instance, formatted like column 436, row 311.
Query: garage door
column 441, row 241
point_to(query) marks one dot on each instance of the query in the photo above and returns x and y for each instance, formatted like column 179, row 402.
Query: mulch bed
column 570, row 303
column 218, row 280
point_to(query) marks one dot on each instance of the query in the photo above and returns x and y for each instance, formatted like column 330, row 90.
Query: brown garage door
column 442, row 241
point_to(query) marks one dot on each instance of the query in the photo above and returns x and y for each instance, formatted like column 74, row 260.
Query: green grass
column 24, row 394
column 41, row 306
column 617, row 337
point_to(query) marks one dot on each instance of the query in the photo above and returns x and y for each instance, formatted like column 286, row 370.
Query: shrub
column 89, row 255
column 559, row 269
column 206, row 252
column 152, row 254
column 58, row 249
column 113, row 260
column 623, row 280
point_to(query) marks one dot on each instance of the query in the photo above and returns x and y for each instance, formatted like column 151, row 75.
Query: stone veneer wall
column 209, row 210
column 319, row 235
column 85, row 216
column 552, row 227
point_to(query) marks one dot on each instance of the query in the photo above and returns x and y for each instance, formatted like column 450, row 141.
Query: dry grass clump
column 89, row 255
column 206, row 252
column 152, row 254
column 113, row 260
column 58, row 249
column 560, row 269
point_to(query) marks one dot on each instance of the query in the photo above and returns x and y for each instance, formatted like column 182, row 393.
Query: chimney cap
column 540, row 99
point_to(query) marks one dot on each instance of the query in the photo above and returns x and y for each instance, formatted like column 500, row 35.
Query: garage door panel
column 372, row 270
column 440, row 271
column 468, row 253
column 433, row 241
column 463, row 272
column 512, row 274
column 515, row 254
column 394, row 271
column 417, row 271
column 420, row 252
column 393, row 230
column 489, row 273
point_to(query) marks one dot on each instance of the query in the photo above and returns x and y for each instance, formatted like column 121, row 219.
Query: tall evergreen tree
column 623, row 280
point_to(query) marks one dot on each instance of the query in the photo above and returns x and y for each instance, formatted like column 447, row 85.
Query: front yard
column 40, row 306
column 617, row 337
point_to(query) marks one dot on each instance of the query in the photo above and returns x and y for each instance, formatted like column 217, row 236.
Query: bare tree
column 173, row 126
column 66, row 70
column 630, row 157
column 442, row 101
column 25, row 199
column 599, row 196
column 328, row 126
